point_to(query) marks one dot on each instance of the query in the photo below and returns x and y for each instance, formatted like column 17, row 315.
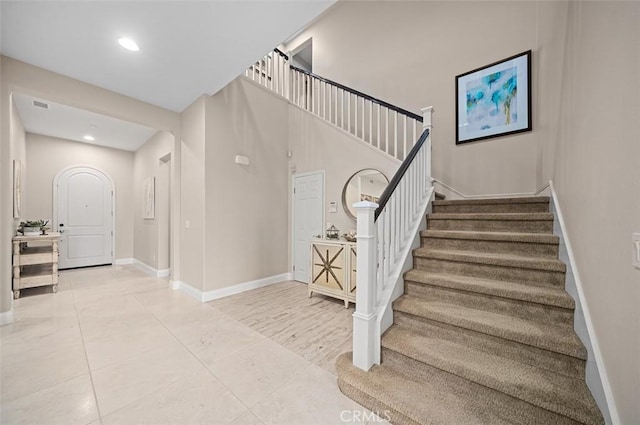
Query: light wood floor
column 317, row 328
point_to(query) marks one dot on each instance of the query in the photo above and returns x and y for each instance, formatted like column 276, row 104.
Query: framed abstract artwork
column 494, row 100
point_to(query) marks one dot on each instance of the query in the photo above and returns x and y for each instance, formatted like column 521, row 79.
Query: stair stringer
column 596, row 376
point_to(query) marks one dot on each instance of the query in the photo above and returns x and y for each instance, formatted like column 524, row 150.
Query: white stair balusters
column 390, row 129
column 385, row 241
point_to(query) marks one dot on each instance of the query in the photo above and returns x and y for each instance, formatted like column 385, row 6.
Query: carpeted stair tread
column 492, row 216
column 557, row 393
column 419, row 402
column 491, row 236
column 556, row 297
column 493, row 201
column 559, row 339
column 493, row 259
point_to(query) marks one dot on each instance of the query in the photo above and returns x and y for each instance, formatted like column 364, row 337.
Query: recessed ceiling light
column 89, row 138
column 128, row 44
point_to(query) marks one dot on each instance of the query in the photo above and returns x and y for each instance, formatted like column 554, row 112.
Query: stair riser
column 510, row 408
column 487, row 271
column 491, row 208
column 521, row 226
column 543, row 359
column 542, row 250
column 509, row 307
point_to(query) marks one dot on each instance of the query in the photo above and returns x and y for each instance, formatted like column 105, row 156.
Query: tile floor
column 115, row 346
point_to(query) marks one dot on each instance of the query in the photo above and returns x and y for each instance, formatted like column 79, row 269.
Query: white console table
column 35, row 262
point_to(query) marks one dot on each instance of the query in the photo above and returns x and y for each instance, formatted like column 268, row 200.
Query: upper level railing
column 386, row 234
column 389, row 128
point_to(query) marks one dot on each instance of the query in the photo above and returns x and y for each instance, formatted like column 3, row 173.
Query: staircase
column 484, row 332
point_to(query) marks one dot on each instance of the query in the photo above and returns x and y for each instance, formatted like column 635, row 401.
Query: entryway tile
column 34, row 373
column 196, row 400
column 130, row 343
column 248, row 418
column 130, row 380
column 311, row 397
column 68, row 403
column 253, row 373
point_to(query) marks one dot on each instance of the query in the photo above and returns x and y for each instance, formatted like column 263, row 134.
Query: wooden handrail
column 357, row 93
column 395, row 181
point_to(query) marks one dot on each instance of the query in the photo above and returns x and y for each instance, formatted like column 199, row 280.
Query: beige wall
column 15, row 149
column 239, row 215
column 20, row 77
column 192, row 244
column 246, row 206
column 596, row 171
column 408, row 53
column 317, row 145
column 151, row 235
column 6, row 193
column 19, row 152
column 47, row 156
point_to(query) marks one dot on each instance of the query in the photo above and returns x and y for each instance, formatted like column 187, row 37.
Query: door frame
column 293, row 210
column 113, row 203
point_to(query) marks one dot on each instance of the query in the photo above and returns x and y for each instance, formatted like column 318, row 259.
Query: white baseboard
column 123, row 261
column 187, row 289
column 454, row 194
column 230, row 290
column 583, row 323
column 150, row 270
column 6, row 317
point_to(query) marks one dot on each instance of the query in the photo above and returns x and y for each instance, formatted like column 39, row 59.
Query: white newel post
column 364, row 318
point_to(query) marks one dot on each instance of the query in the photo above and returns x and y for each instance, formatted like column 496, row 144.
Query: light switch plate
column 636, row 250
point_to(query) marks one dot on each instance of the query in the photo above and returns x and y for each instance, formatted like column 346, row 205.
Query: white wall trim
column 150, row 270
column 591, row 334
column 123, row 261
column 495, row 195
column 229, row 290
column 6, row 317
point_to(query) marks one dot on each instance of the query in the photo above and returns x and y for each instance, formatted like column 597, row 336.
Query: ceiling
column 70, row 123
column 187, row 48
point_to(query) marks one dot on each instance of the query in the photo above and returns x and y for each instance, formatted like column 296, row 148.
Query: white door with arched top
column 83, row 214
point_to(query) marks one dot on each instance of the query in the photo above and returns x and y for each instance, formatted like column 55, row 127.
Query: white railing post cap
column 428, row 109
column 365, row 205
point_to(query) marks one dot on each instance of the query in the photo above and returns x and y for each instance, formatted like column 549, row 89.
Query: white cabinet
column 35, row 262
column 333, row 269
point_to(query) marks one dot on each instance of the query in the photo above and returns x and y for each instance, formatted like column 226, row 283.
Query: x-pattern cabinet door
column 328, row 266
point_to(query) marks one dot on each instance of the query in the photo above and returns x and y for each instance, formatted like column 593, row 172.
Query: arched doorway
column 84, row 212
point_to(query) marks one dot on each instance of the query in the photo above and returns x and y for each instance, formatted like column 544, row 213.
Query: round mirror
column 364, row 185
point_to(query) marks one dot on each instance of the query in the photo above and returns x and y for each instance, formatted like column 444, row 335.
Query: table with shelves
column 35, row 262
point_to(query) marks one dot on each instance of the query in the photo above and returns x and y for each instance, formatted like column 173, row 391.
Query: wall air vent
column 40, row 104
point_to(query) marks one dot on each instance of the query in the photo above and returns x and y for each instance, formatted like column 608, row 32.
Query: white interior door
column 84, row 217
column 308, row 220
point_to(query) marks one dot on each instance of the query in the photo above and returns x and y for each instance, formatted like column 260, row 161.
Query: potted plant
column 33, row 228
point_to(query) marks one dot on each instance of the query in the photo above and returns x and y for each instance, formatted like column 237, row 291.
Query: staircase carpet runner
column 484, row 331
